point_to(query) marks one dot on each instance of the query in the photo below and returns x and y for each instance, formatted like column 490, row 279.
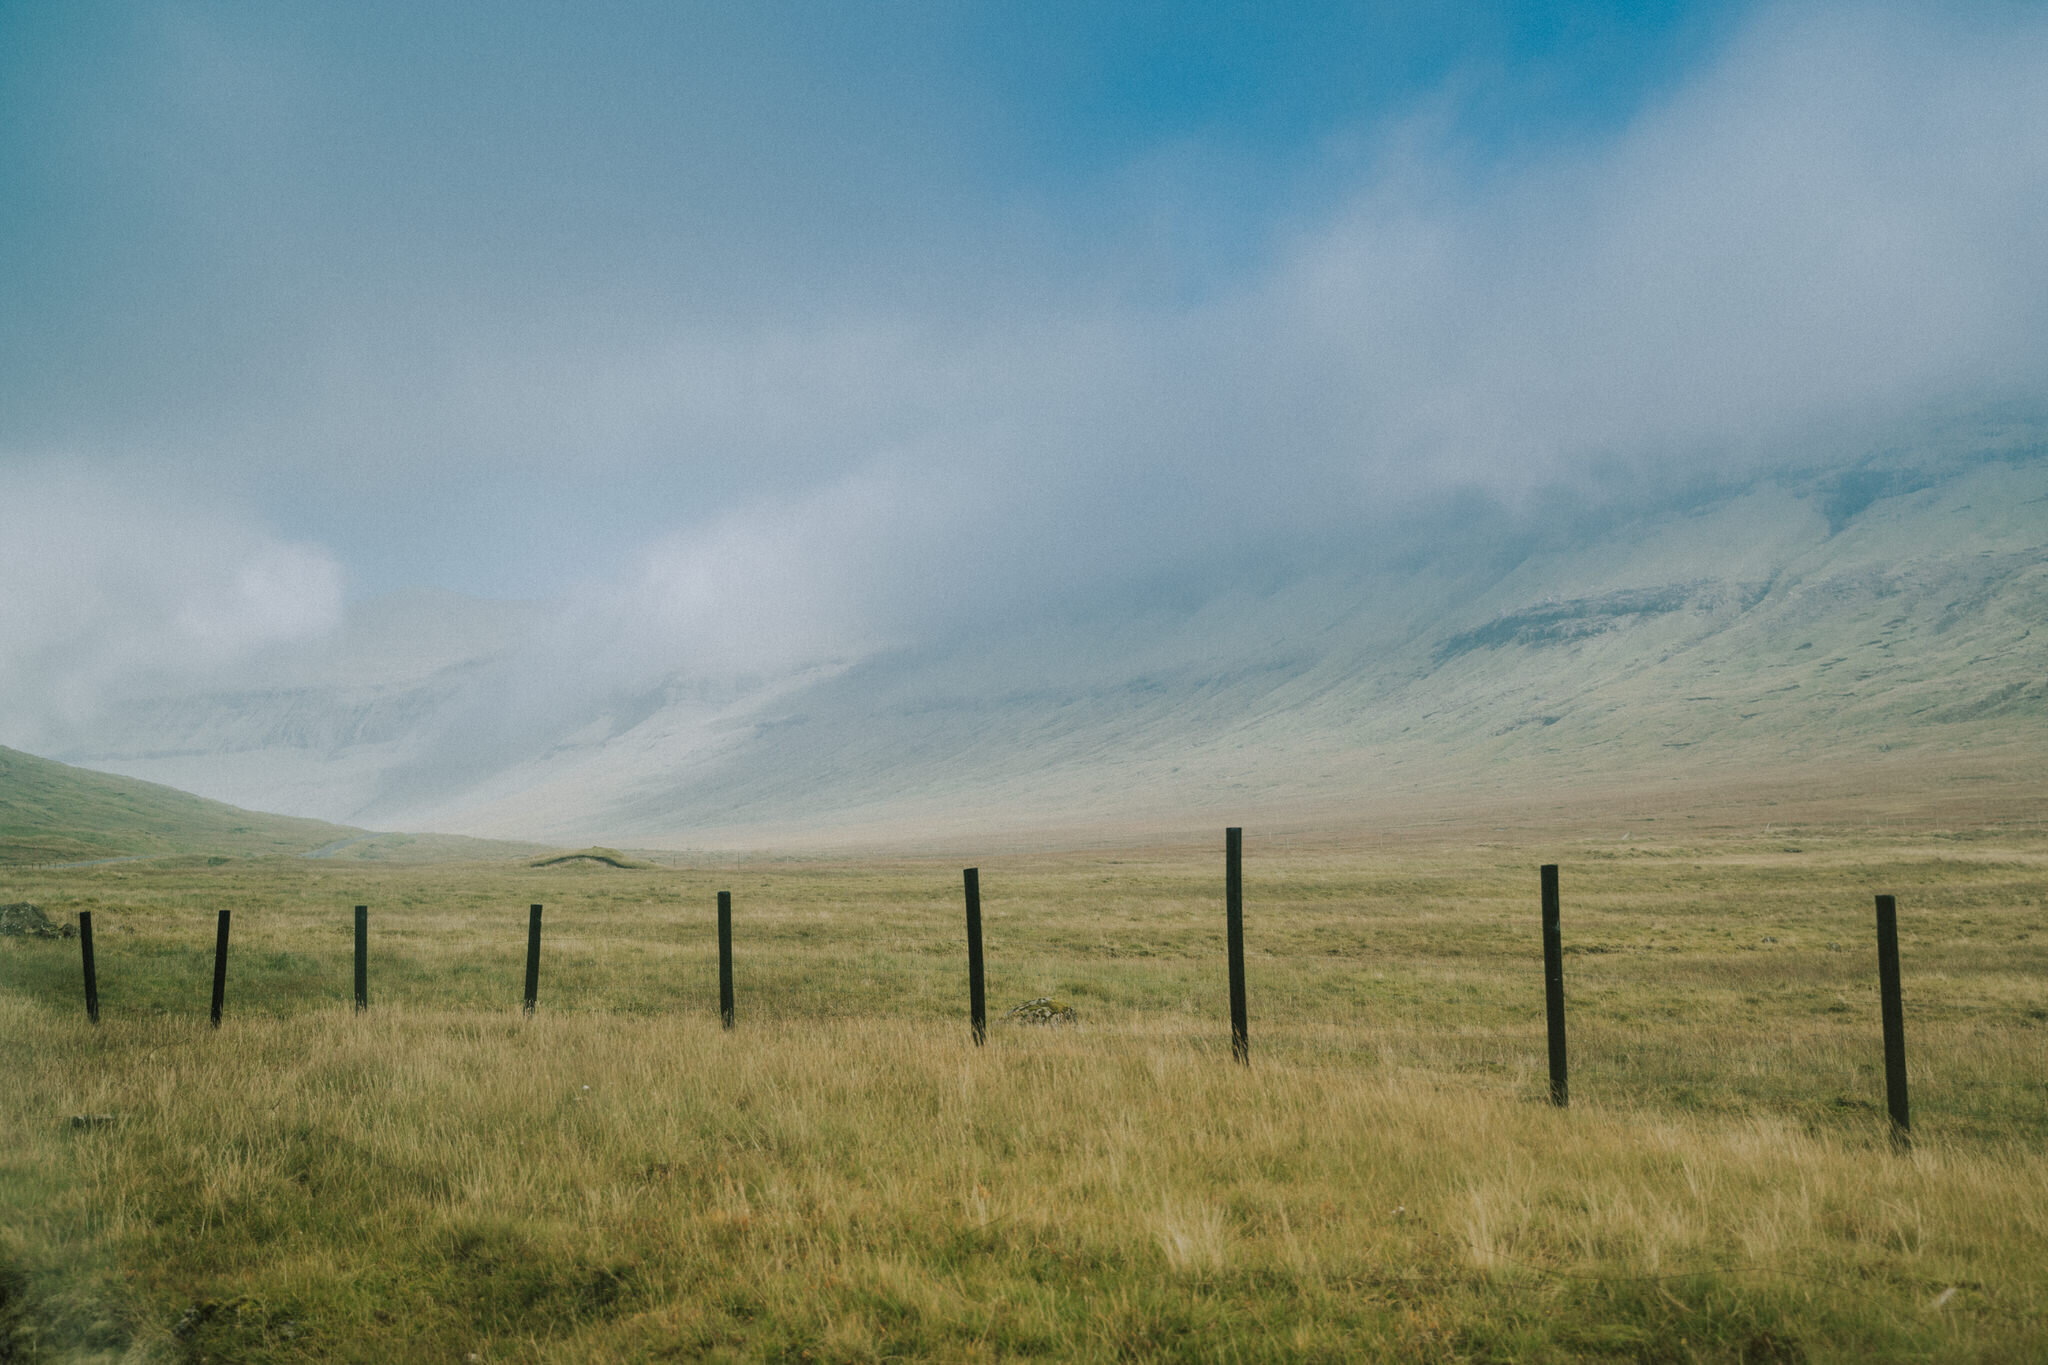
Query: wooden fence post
column 725, row 957
column 977, row 999
column 362, row 958
column 1553, row 986
column 220, row 967
column 1894, row 1019
column 1233, row 937
column 92, row 981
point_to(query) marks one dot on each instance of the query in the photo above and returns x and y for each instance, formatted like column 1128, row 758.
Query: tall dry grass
column 845, row 1178
column 422, row 1185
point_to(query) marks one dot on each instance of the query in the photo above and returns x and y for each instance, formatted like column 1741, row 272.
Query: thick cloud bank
column 106, row 589
column 1833, row 223
column 1832, row 227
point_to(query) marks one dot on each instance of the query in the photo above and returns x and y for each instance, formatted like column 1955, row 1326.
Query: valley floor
column 845, row 1177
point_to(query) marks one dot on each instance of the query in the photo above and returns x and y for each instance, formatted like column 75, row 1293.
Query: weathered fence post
column 725, row 957
column 532, row 958
column 362, row 958
column 1553, row 986
column 1233, row 936
column 92, row 981
column 220, row 967
column 1894, row 1019
column 977, row 999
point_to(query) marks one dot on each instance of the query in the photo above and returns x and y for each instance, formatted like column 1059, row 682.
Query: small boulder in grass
column 1045, row 1010
column 22, row 920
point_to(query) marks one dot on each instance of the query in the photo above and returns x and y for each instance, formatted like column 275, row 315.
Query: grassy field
column 844, row 1177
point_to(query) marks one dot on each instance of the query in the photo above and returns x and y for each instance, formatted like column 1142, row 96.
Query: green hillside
column 51, row 812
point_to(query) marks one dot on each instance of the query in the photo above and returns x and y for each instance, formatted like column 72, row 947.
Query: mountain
column 1798, row 622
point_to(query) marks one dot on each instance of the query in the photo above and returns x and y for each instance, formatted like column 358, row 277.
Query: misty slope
column 314, row 730
column 50, row 812
column 1788, row 623
column 1793, row 622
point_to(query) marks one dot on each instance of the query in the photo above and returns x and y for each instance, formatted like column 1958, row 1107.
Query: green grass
column 52, row 813
column 844, row 1177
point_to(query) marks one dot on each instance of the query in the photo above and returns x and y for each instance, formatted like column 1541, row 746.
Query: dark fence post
column 362, row 958
column 977, row 999
column 1894, row 1018
column 220, row 967
column 725, row 957
column 532, row 958
column 92, row 980
column 1233, row 935
column 1553, row 986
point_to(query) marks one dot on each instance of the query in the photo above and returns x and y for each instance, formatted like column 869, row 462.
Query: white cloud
column 1833, row 225
column 1836, row 221
column 107, row 589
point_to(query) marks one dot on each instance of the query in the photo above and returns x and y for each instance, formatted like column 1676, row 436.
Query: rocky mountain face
column 1899, row 601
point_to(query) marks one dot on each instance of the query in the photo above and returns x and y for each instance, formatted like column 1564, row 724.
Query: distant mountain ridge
column 1793, row 619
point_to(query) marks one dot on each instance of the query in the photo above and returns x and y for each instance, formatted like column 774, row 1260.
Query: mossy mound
column 22, row 920
column 610, row 857
column 1045, row 1010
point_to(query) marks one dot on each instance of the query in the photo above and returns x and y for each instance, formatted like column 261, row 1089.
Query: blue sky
column 827, row 325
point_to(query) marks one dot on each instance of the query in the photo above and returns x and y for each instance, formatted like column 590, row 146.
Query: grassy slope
column 52, row 812
column 845, row 1178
